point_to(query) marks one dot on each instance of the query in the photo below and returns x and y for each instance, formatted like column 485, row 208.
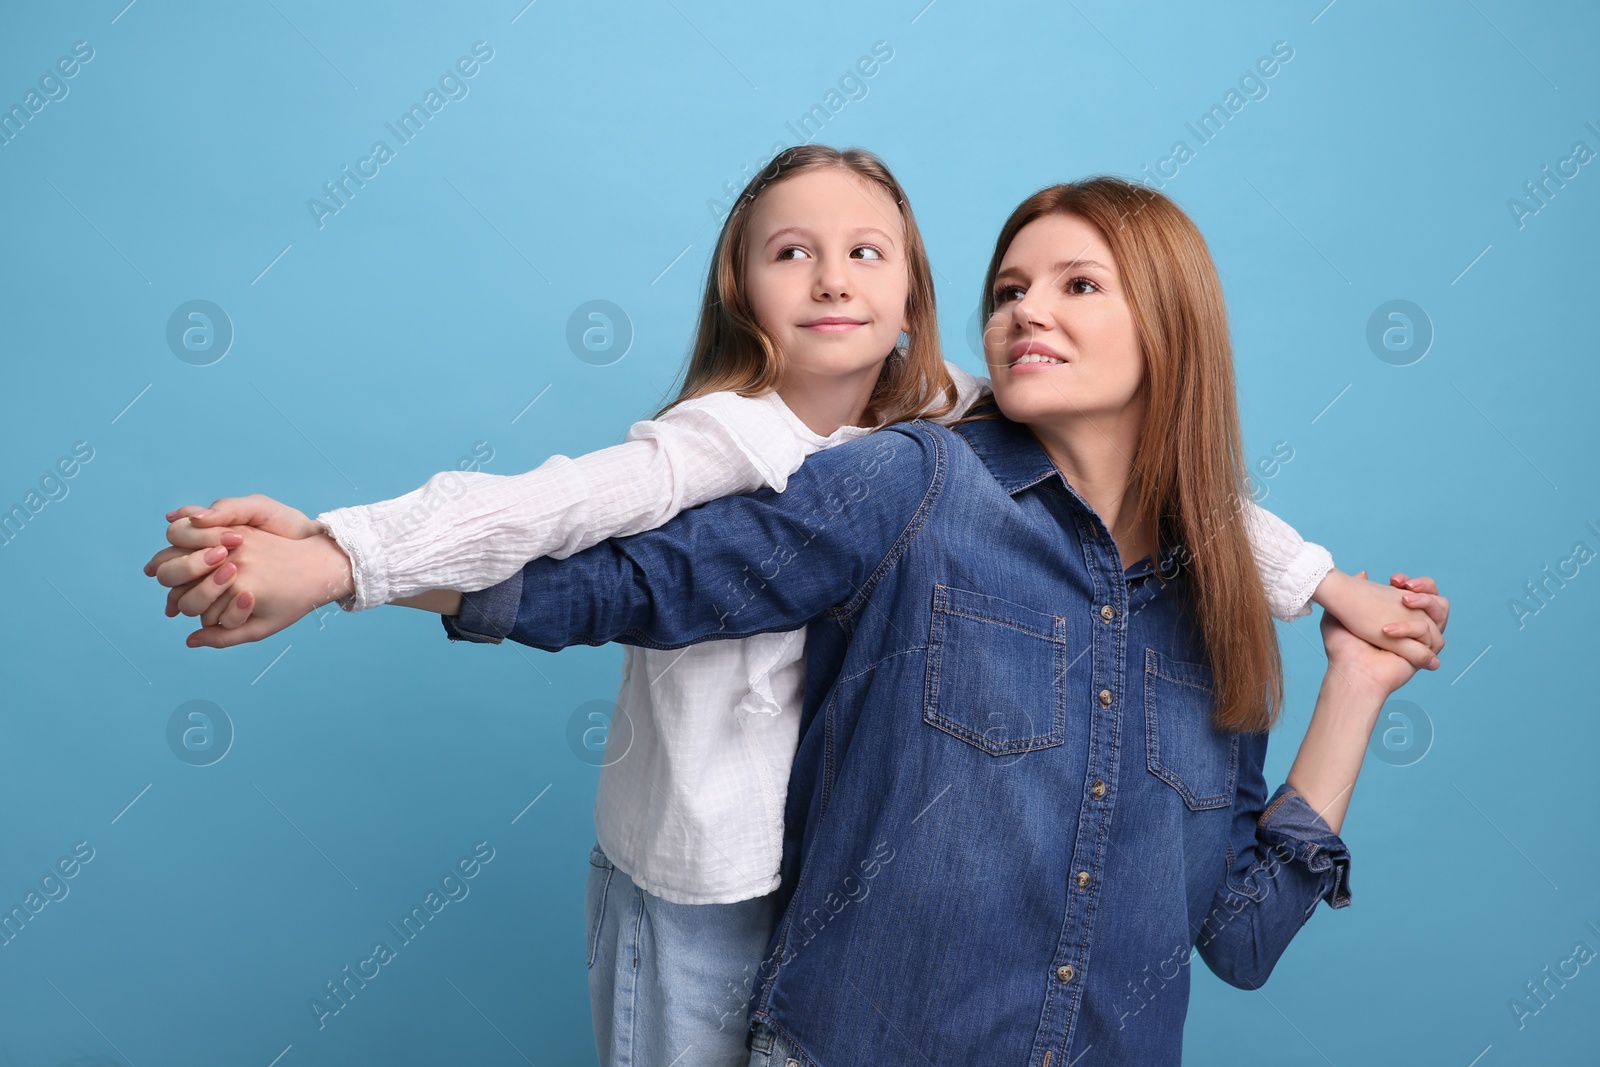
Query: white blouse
column 693, row 811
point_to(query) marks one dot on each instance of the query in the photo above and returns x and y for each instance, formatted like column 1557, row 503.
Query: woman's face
column 1062, row 344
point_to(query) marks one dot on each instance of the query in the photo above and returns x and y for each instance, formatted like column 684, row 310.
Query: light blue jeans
column 767, row 1049
column 670, row 984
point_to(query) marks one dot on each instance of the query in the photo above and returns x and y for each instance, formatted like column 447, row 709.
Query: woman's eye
column 1006, row 293
column 866, row 252
column 1074, row 283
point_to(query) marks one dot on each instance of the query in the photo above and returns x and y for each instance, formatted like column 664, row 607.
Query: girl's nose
column 831, row 280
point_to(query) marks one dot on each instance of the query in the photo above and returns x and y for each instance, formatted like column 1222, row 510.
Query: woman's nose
column 1026, row 315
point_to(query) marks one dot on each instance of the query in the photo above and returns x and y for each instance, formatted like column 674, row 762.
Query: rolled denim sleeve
column 489, row 615
column 1284, row 858
column 759, row 563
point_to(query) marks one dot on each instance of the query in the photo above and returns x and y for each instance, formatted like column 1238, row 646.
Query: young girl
column 818, row 270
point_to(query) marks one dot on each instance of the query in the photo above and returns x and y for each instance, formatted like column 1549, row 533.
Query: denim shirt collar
column 1016, row 459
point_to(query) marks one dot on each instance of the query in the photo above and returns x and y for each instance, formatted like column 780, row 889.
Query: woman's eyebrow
column 1058, row 269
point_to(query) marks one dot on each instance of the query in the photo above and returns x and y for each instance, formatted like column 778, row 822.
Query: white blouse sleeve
column 1291, row 567
column 470, row 530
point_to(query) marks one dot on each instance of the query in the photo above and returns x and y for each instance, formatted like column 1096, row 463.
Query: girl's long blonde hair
column 733, row 353
column 1188, row 477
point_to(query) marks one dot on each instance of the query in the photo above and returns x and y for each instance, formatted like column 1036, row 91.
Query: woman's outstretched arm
column 1286, row 850
column 1359, row 679
column 760, row 563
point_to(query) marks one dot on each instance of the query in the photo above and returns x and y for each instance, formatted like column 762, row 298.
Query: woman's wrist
column 439, row 601
column 1329, row 760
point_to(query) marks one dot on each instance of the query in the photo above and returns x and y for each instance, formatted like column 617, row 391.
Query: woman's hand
column 1381, row 671
column 200, row 539
column 290, row 577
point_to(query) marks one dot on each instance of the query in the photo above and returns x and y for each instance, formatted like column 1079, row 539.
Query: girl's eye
column 867, row 252
column 1093, row 285
column 783, row 253
column 1006, row 293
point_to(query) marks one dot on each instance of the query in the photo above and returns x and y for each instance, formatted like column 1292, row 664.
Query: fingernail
column 223, row 574
column 203, row 511
column 232, row 538
column 216, row 555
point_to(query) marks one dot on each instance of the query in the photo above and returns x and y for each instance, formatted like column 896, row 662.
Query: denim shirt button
column 1097, row 790
column 1083, row 879
column 1064, row 972
column 1108, row 613
column 1105, row 698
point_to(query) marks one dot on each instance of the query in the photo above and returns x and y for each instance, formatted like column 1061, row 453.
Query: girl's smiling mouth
column 832, row 324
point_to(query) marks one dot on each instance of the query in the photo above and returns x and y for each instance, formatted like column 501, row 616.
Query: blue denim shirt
column 1011, row 820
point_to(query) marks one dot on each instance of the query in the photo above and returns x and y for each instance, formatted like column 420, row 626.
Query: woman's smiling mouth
column 1032, row 353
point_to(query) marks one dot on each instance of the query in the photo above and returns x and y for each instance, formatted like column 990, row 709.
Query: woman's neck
column 1095, row 454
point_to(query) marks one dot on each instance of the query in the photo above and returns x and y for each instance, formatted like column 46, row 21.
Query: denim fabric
column 1017, row 820
column 670, row 983
column 768, row 1049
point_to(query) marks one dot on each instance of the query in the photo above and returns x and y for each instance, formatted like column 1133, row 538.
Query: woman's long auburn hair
column 1188, row 478
column 733, row 353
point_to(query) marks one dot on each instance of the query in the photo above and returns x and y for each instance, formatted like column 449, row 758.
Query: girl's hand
column 256, row 510
column 290, row 577
column 1395, row 618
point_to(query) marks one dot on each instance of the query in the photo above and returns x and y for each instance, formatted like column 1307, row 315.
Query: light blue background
column 424, row 317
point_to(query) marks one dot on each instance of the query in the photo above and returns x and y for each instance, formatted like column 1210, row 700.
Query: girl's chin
column 837, row 364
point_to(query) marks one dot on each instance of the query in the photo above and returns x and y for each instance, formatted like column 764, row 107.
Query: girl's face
column 825, row 272
column 1062, row 341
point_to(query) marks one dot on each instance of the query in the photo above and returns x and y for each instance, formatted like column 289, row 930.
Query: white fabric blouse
column 693, row 811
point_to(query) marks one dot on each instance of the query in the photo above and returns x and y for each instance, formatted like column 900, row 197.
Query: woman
column 1040, row 674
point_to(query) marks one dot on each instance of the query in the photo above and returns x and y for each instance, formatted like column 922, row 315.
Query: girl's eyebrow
column 801, row 231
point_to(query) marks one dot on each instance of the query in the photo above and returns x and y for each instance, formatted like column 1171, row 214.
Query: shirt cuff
column 1294, row 831
column 487, row 616
column 1301, row 576
column 348, row 528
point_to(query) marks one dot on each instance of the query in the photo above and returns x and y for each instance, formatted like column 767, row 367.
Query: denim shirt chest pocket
column 996, row 674
column 1183, row 745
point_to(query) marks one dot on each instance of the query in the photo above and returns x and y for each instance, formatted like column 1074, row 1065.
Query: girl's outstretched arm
column 1297, row 573
column 469, row 530
column 755, row 563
